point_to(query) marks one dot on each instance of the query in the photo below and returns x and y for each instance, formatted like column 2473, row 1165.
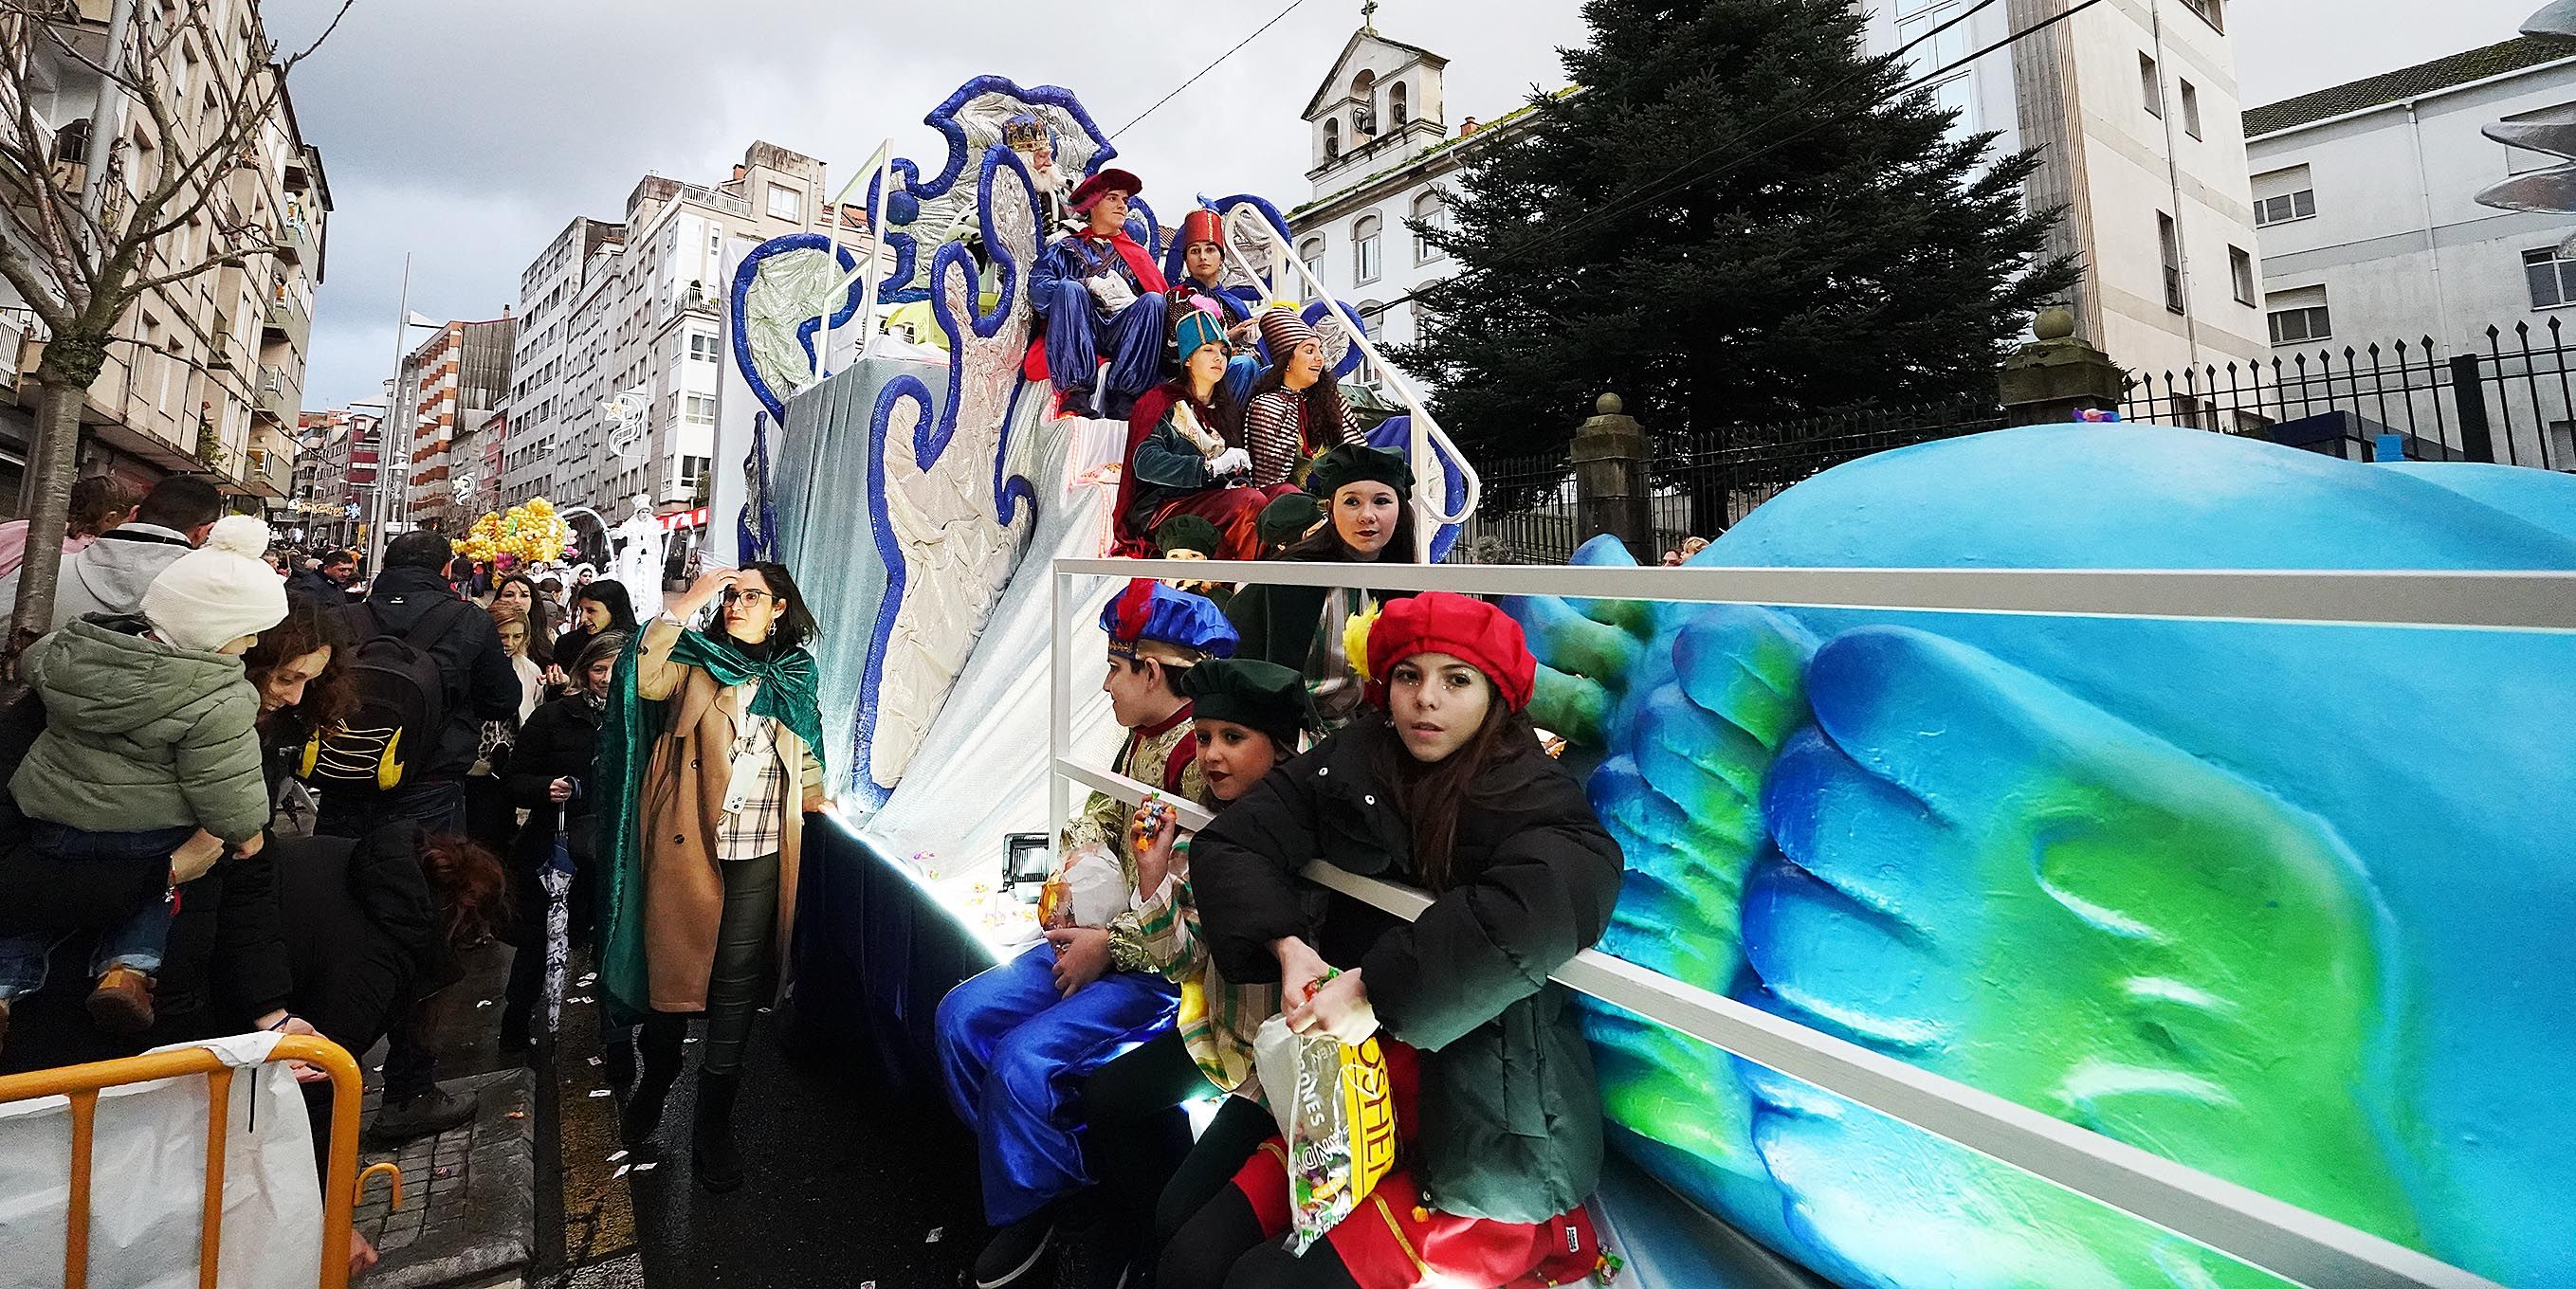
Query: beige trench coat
column 683, row 800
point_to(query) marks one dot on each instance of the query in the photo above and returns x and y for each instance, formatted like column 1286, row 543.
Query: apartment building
column 2372, row 233
column 344, row 463
column 2132, row 106
column 639, row 305
column 204, row 374
column 548, row 292
column 447, row 387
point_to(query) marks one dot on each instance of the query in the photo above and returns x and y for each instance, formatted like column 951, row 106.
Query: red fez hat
column 1103, row 184
column 1201, row 225
column 1462, row 626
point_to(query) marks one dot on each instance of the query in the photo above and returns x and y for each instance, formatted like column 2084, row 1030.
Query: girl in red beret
column 1497, row 1116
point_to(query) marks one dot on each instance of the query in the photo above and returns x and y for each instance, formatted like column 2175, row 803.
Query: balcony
column 277, row 396
column 291, row 243
column 286, row 320
column 267, row 476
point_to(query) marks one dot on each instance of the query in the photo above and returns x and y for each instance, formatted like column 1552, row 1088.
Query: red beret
column 1459, row 625
column 1100, row 185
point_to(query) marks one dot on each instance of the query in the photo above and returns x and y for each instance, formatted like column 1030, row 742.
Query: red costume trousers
column 1236, row 512
column 1396, row 1240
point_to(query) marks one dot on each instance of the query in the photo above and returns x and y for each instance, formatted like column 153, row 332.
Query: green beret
column 1187, row 533
column 1350, row 463
column 1263, row 695
column 1287, row 519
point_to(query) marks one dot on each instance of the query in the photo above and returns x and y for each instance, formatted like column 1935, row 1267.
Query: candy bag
column 1336, row 1111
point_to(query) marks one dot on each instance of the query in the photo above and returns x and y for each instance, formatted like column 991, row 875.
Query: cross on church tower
column 1368, row 17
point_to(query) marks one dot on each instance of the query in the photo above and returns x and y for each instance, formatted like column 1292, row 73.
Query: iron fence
column 1704, row 482
column 2514, row 403
column 1714, row 478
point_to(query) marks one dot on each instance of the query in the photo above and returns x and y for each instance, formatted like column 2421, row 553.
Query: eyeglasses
column 733, row 593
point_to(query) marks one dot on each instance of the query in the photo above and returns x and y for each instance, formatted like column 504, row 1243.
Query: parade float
column 2282, row 902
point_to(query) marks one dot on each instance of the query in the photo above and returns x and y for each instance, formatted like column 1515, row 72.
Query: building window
column 1428, row 215
column 1333, row 139
column 2284, row 195
column 2190, row 110
column 2299, row 316
column 699, row 409
column 2151, row 86
column 1958, row 96
column 786, row 203
column 2240, row 270
column 2213, row 12
column 2169, row 239
column 1365, row 264
column 1398, row 111
column 702, row 347
column 2286, row 207
column 2553, row 280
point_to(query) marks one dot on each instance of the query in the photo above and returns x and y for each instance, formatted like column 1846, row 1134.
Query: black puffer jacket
column 1510, row 1116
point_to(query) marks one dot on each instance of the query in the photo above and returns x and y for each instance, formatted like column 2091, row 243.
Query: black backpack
column 401, row 716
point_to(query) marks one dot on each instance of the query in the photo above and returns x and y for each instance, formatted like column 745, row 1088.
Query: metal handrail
column 2232, row 1220
column 82, row 1084
column 1430, row 511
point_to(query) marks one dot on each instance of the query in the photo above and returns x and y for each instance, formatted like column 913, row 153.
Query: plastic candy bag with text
column 1336, row 1110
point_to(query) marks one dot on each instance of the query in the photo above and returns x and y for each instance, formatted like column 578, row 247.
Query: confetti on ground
column 618, row 1156
column 594, row 1060
column 646, row 1168
column 935, row 1233
column 518, row 1114
column 444, row 1172
column 483, row 1002
column 622, row 1170
column 586, row 979
column 578, row 998
column 599, row 1092
column 688, row 1040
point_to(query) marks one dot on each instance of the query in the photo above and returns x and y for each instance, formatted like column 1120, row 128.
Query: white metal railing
column 1430, row 498
column 2232, row 1220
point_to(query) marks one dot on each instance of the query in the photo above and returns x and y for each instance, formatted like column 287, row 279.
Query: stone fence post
column 2057, row 375
column 1613, row 481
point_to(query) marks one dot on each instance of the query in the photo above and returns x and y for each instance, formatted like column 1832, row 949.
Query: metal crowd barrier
column 2302, row 1247
column 81, row 1085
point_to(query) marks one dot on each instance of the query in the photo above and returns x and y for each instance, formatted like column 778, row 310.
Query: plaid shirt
column 1218, row 1017
column 756, row 829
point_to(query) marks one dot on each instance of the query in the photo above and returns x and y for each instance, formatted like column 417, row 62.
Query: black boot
column 617, row 1056
column 712, row 1151
column 660, row 1037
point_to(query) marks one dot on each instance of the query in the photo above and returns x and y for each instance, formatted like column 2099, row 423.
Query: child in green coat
column 149, row 756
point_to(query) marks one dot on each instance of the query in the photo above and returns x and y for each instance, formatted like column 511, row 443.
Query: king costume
column 1014, row 1052
column 1104, row 309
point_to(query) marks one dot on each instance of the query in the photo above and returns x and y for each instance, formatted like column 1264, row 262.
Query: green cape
column 626, row 733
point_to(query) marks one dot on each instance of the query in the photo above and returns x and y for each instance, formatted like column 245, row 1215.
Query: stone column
column 1613, row 479
column 2057, row 375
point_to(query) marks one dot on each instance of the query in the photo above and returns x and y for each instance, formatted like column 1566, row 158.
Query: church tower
column 1381, row 104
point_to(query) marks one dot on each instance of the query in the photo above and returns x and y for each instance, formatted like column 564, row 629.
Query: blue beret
column 1149, row 611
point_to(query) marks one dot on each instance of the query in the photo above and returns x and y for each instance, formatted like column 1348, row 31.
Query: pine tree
column 1836, row 248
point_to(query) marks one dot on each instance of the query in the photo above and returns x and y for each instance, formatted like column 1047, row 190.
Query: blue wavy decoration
column 805, row 333
column 937, row 429
column 900, row 288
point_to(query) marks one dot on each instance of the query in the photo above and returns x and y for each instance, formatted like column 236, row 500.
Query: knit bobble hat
column 1462, row 626
column 218, row 593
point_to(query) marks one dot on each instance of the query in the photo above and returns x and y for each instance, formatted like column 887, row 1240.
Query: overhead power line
column 1202, row 72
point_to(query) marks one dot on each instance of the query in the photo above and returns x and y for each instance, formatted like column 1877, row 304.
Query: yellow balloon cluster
column 528, row 534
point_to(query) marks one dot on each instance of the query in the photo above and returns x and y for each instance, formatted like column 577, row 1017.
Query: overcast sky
column 468, row 132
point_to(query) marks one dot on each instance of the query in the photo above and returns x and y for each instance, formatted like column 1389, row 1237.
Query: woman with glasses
column 707, row 759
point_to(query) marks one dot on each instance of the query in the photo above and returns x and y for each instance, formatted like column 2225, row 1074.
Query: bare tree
column 83, row 237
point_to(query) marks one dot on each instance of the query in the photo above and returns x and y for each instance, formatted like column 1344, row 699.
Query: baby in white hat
column 149, row 767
